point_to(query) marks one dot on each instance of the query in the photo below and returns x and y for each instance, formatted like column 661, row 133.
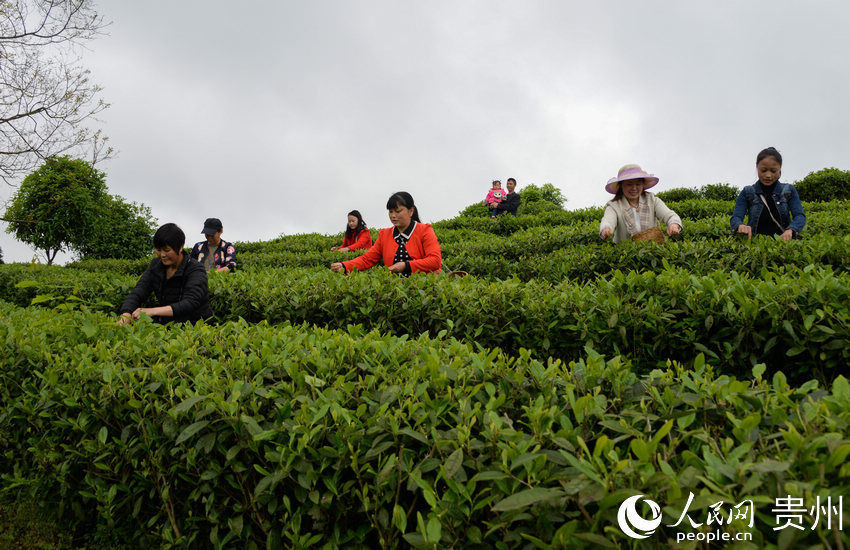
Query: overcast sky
column 281, row 116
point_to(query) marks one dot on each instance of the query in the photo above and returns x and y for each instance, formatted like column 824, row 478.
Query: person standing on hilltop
column 511, row 201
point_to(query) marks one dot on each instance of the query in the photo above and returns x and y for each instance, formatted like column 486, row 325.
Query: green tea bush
column 455, row 236
column 700, row 209
column 794, row 319
column 719, row 192
column 547, row 192
column 592, row 261
column 495, row 256
column 287, row 259
column 536, row 208
column 475, row 210
column 678, row 194
column 825, row 185
column 121, row 267
column 439, row 412
column 258, row 436
column 22, row 283
column 710, row 192
column 306, row 242
column 506, row 225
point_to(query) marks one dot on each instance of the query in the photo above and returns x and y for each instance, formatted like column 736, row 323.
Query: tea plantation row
column 258, row 436
column 793, row 319
column 461, row 229
column 555, row 253
column 258, row 433
column 553, row 261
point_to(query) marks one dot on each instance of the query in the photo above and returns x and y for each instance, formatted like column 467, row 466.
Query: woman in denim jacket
column 772, row 207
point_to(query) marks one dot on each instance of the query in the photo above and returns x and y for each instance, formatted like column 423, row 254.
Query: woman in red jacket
column 357, row 236
column 410, row 246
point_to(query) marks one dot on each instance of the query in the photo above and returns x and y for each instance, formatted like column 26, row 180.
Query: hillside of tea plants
column 516, row 407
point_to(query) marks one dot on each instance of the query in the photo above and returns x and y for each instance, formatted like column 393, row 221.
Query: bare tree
column 46, row 96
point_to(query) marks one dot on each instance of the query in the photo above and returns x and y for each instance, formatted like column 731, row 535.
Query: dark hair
column 496, row 181
column 769, row 152
column 511, row 180
column 361, row 225
column 403, row 198
column 169, row 235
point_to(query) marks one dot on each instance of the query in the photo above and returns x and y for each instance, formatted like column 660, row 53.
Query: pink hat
column 630, row 172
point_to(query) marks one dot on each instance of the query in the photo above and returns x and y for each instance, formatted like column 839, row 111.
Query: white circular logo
column 631, row 522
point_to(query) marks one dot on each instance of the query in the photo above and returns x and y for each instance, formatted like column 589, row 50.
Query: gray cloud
column 280, row 117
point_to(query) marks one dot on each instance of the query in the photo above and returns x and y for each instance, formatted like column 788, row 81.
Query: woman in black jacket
column 178, row 281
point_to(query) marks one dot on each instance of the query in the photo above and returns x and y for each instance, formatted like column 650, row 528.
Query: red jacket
column 363, row 240
column 423, row 247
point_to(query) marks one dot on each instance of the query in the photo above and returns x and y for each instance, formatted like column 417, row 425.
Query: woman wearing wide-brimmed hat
column 633, row 209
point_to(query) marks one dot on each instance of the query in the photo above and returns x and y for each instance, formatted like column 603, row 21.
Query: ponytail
column 403, row 198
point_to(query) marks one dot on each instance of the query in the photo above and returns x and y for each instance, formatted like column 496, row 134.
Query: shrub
column 476, row 413
column 537, row 207
column 301, row 242
column 711, row 192
column 778, row 318
column 547, row 192
column 267, row 437
column 825, row 185
column 576, row 252
column 678, row 194
column 475, row 210
column 719, row 192
column 120, row 267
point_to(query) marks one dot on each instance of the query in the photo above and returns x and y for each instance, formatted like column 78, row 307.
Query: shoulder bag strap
column 764, row 200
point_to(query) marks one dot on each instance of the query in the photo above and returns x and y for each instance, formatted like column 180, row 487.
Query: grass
column 24, row 526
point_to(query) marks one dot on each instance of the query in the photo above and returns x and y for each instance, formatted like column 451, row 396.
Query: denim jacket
column 749, row 203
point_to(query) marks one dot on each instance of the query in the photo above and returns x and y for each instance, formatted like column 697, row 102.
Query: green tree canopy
column 64, row 205
column 124, row 230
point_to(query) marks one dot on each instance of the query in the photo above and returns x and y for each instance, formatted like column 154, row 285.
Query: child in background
column 495, row 196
